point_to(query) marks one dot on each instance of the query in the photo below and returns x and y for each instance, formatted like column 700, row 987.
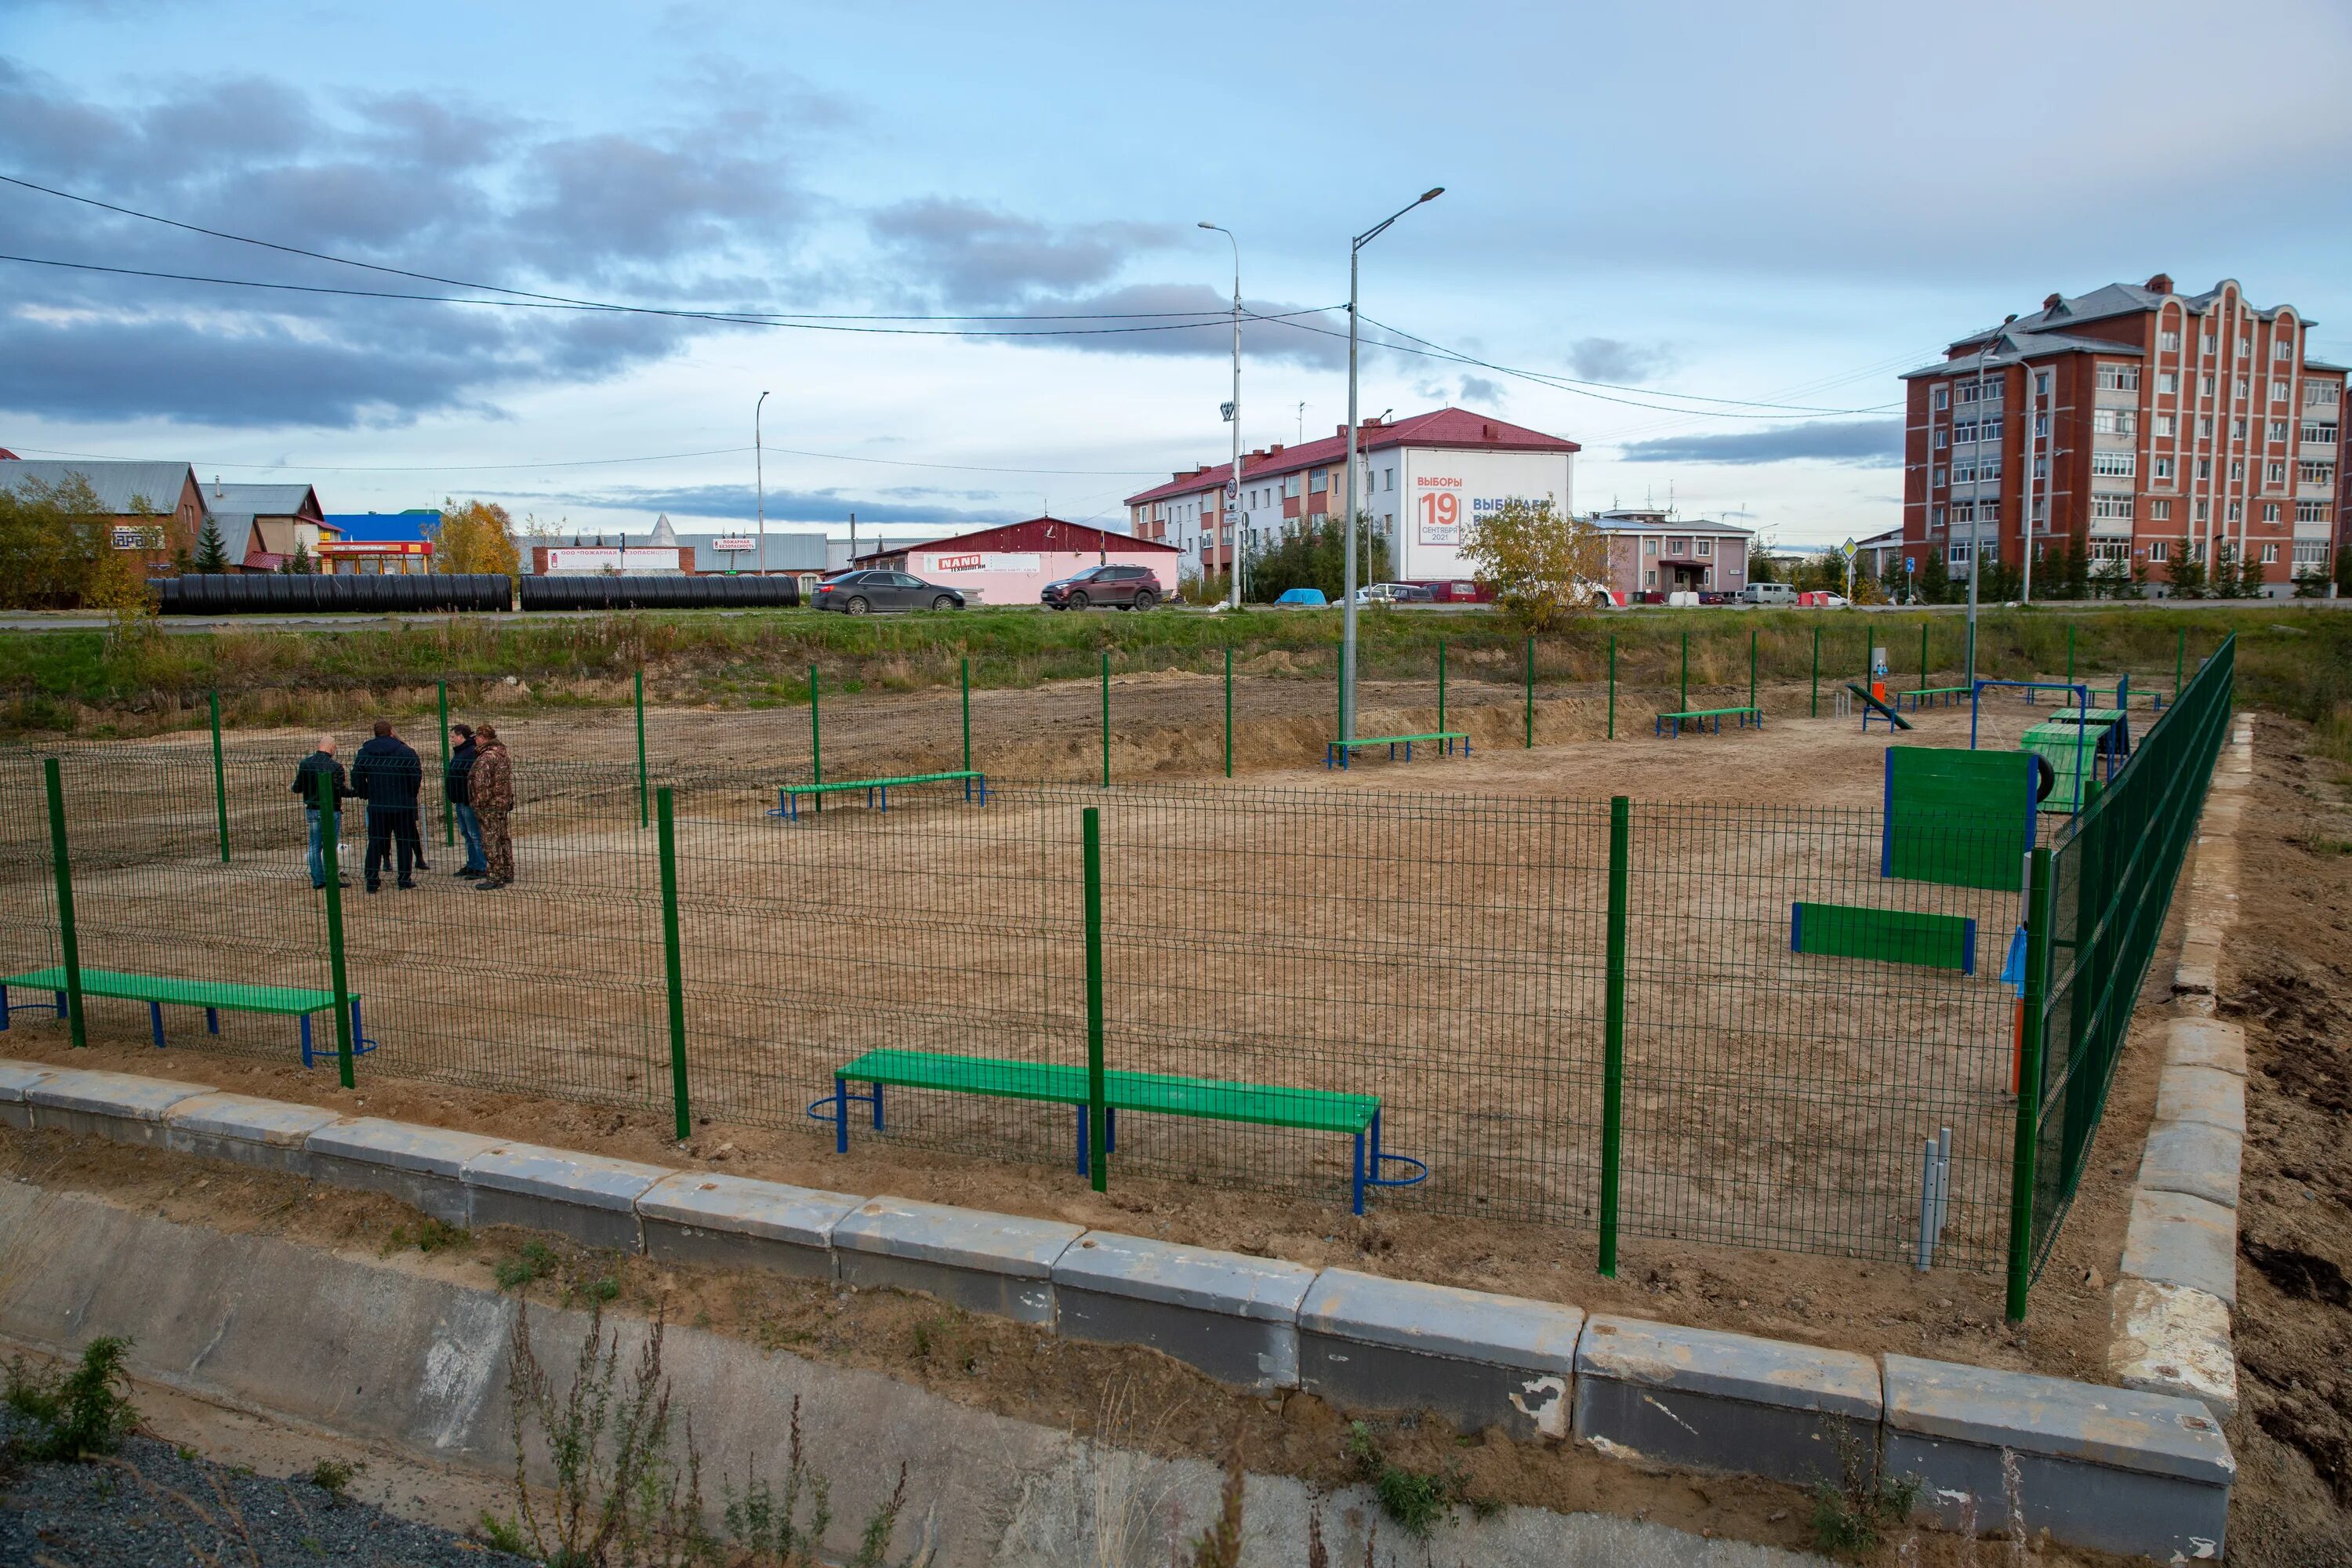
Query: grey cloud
column 737, row 503
column 1479, row 389
column 1615, row 359
column 977, row 257
column 1863, row 443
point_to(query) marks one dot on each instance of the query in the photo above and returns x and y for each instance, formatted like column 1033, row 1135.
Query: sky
column 1701, row 238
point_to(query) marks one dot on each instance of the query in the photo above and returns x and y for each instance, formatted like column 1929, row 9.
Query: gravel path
column 147, row 1507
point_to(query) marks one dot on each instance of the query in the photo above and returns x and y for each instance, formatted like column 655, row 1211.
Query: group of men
column 388, row 775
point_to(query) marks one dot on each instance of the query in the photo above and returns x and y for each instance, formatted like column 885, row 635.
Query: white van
column 1768, row 594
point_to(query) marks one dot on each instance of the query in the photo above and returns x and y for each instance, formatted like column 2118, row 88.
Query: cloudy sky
column 1778, row 209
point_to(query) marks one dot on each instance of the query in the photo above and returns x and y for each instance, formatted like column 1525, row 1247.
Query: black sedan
column 867, row 592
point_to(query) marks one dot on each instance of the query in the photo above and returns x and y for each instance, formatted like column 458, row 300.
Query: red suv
column 1128, row 587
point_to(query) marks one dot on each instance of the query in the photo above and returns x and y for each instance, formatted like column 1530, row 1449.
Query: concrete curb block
column 2175, row 1239
column 1366, row 1342
column 1234, row 1316
column 991, row 1263
column 269, row 1134
column 2205, row 1095
column 424, row 1167
column 589, row 1197
column 121, row 1106
column 2194, row 1159
column 734, row 1222
column 2146, row 1474
column 17, row 1082
column 2172, row 1339
column 2205, row 1042
column 1715, row 1401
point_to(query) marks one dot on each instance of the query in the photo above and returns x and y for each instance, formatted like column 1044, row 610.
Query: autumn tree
column 475, row 537
column 1542, row 565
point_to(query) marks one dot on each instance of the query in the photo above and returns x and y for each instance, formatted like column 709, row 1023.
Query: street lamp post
column 1233, row 417
column 1347, row 585
column 759, row 481
column 1975, row 506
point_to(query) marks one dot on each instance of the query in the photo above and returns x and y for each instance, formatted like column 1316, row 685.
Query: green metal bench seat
column 1701, row 715
column 159, row 991
column 1159, row 1094
column 1925, row 696
column 1341, row 750
column 877, row 791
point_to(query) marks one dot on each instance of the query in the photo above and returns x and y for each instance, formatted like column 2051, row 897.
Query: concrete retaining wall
column 2145, row 1471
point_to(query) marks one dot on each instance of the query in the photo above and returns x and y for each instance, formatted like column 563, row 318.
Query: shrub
column 78, row 1414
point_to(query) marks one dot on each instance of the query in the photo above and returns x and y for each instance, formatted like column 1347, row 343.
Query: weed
column 1221, row 1547
column 333, row 1476
column 431, row 1235
column 79, row 1415
column 535, row 1262
column 1416, row 1502
column 499, row 1534
column 1850, row 1515
column 768, row 1528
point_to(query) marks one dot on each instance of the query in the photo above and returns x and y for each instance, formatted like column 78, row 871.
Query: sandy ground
column 1774, row 1104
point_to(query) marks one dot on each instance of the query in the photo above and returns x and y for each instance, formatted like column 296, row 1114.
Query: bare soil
column 2286, row 976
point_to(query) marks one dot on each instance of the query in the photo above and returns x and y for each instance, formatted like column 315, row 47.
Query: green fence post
column 1532, row 694
column 1923, row 654
column 966, row 714
column 643, row 777
column 63, row 864
column 220, row 779
column 2179, row 658
column 449, row 806
column 1751, row 667
column 2070, row 653
column 1098, row 1113
column 331, row 828
column 816, row 741
column 1817, row 673
column 674, row 962
column 1106, row 725
column 2029, row 1084
column 1683, row 702
column 1612, row 686
column 1441, row 683
column 1229, row 709
column 1612, row 1071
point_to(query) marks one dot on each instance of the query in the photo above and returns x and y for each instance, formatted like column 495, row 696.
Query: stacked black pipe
column 598, row 592
column 272, row 594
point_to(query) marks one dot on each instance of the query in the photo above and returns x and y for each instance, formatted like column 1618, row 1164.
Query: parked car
column 1768, row 594
column 1394, row 594
column 1302, row 599
column 1717, row 597
column 1123, row 587
column 865, row 593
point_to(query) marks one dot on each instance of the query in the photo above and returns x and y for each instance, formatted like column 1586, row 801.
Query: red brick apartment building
column 2127, row 423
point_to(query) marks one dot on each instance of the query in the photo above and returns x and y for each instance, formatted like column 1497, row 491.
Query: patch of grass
column 1852, row 1515
column 77, row 1414
column 1416, row 1502
column 430, row 1235
column 498, row 1534
column 535, row 1262
column 333, row 1476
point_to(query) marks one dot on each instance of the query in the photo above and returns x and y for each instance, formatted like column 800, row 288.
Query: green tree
column 2249, row 574
column 1541, row 564
column 2185, row 572
column 299, row 563
column 2311, row 580
column 53, row 539
column 212, row 550
column 2344, row 571
column 1933, row 582
column 475, row 537
column 2000, row 583
column 1312, row 555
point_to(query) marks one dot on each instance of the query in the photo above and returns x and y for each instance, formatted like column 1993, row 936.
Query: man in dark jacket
column 306, row 784
column 387, row 776
column 453, row 785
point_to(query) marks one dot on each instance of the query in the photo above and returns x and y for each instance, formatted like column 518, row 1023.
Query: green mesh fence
column 2109, row 880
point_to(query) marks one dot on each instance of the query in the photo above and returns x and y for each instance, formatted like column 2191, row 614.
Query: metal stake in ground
column 330, row 830
column 61, row 862
column 967, row 715
column 816, row 743
column 1105, row 724
column 1817, row 672
column 449, row 806
column 2038, row 908
column 1612, row 686
column 642, row 778
column 1229, row 709
column 220, row 779
column 1532, row 694
column 1440, row 684
column 1751, row 667
column 1684, row 702
column 1098, row 1110
column 1613, row 1070
column 674, row 965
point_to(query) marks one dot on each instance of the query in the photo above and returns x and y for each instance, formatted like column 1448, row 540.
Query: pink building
column 1656, row 552
column 1012, row 564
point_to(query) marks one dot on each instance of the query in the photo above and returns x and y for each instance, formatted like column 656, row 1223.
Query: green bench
column 877, row 791
column 1702, row 715
column 1163, row 1094
column 158, row 991
column 1342, row 749
column 1925, row 696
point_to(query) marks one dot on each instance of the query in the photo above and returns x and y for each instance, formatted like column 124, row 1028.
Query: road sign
column 1848, row 548
column 1909, row 565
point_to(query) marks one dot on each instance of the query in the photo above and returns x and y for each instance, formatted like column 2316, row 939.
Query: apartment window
column 2111, row 508
column 1649, row 547
column 2238, row 428
column 1990, row 430
column 1388, row 478
column 2204, row 511
column 2245, row 388
column 2237, row 512
column 2277, row 430
column 2315, row 473
column 2270, row 511
column 2159, row 511
column 2205, row 383
column 1959, row 552
column 2208, row 343
column 2114, row 422
column 2042, row 384
column 2110, row 554
column 2169, row 381
column 1318, row 482
column 1678, row 547
column 1707, row 547
column 1964, row 511
column 1943, row 397
column 2278, row 392
column 2162, row 470
column 1936, row 518
column 1989, row 470
column 2275, row 474
column 2118, row 378
column 1289, row 486
column 1964, row 431
column 1938, row 481
column 2112, row 465
column 1650, row 577
column 2041, row 511
column 2205, row 427
column 1942, row 438
column 2313, row 512
column 2160, row 550
column 2282, row 345
column 2237, row 471
column 2197, row 549
column 2310, row 552
column 2318, row 435
column 2170, row 343
column 2204, row 467
column 1964, row 473
column 2040, row 468
column 2322, row 393
column 2245, row 348
column 2167, row 424
column 2270, row 554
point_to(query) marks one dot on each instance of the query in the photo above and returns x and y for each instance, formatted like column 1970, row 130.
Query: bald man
column 306, row 784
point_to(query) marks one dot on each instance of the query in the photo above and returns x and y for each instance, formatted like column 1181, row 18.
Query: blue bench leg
column 1465, row 745
column 155, row 1020
column 1356, row 1205
column 1082, row 1141
column 61, row 1002
column 361, row 1044
column 1408, row 751
column 983, row 789
column 212, row 1020
column 306, row 1040
column 1111, row 1130
column 877, row 1108
column 841, row 1116
column 885, row 798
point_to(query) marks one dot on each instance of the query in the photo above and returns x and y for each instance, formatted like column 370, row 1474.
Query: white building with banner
column 1423, row 480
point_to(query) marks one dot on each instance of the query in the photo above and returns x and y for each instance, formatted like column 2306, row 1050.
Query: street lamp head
column 1205, row 224
column 1432, row 193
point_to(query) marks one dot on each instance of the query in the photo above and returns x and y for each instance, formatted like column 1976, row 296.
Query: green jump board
column 1891, row 936
column 1962, row 818
column 956, row 777
column 229, row 997
column 2071, row 746
column 1162, row 1093
column 1400, row 740
column 2083, row 716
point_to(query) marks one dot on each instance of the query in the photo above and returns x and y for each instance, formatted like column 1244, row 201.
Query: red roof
column 1455, row 428
column 1040, row 533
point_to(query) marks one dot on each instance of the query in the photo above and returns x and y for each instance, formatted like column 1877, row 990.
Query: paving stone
column 270, row 1134
column 17, row 1080
column 994, row 1263
column 734, row 1222
column 2200, row 962
column 2120, row 1469
column 2175, row 1239
column 1711, row 1401
column 1234, row 1316
column 122, row 1106
column 2208, row 1095
column 1371, row 1344
column 2194, row 1158
column 2205, row 1042
column 424, row 1167
column 589, row 1197
column 2172, row 1339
